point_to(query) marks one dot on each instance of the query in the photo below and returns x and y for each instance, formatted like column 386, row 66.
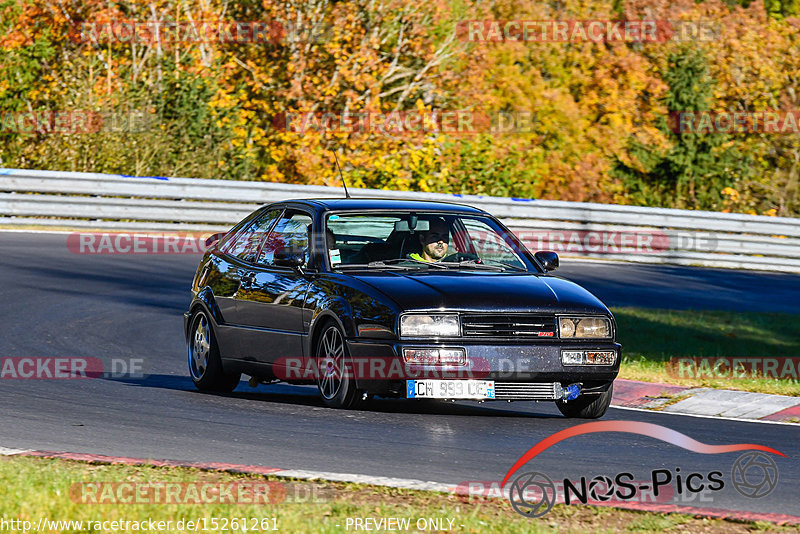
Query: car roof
column 336, row 204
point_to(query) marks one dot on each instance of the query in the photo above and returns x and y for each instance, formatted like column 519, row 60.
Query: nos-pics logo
column 532, row 494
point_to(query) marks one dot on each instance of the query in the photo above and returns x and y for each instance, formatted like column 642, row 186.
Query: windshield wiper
column 502, row 265
column 372, row 265
column 392, row 264
column 474, row 264
column 395, row 261
column 447, row 265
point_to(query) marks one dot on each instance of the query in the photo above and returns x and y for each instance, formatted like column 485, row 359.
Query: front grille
column 528, row 391
column 509, row 325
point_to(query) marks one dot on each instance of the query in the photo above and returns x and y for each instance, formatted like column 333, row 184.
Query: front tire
column 205, row 365
column 334, row 374
column 588, row 406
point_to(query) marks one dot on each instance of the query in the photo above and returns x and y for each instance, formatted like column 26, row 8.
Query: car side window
column 229, row 238
column 246, row 244
column 490, row 245
column 289, row 234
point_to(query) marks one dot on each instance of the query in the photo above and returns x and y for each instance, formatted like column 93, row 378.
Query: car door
column 231, row 270
column 270, row 301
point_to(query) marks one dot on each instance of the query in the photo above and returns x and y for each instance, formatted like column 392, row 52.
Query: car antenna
column 346, row 194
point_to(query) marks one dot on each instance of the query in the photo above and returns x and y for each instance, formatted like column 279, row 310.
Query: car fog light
column 572, row 357
column 588, row 357
column 435, row 356
column 605, row 357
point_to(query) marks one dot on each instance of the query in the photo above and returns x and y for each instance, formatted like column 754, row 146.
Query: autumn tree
column 698, row 164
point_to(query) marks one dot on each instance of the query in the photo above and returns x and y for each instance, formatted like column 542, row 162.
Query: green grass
column 36, row 487
column 650, row 337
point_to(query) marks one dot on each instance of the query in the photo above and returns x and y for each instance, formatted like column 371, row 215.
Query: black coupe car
column 410, row 299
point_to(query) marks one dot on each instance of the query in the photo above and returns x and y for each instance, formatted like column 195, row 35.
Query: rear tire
column 588, row 406
column 335, row 379
column 205, row 365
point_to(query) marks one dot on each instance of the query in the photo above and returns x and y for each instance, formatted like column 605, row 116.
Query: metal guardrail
column 630, row 233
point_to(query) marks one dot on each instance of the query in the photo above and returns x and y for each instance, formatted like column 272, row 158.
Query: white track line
column 718, row 417
column 4, row 451
column 405, row 483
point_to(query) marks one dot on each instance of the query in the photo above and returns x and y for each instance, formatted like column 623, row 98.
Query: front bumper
column 521, row 371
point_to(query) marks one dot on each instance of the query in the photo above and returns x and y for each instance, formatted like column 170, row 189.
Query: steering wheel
column 462, row 256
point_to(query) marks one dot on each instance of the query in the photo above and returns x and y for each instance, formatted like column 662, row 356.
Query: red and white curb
column 706, row 402
column 402, row 483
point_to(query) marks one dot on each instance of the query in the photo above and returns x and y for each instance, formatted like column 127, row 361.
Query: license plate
column 449, row 389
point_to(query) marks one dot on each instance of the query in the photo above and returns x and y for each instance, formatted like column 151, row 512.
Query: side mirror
column 289, row 258
column 548, row 259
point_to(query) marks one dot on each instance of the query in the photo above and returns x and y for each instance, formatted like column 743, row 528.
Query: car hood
column 483, row 291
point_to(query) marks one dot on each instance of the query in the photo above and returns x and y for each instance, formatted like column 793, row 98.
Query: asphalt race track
column 129, row 307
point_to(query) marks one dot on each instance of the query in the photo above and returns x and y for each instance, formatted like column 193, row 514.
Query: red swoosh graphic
column 634, row 427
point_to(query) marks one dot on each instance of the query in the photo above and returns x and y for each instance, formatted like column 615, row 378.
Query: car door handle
column 248, row 279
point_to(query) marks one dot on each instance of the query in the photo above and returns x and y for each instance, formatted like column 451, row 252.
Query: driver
column 434, row 241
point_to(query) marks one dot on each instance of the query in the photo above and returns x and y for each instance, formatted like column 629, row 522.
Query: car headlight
column 584, row 327
column 429, row 326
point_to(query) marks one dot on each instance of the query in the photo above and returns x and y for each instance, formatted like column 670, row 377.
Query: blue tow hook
column 571, row 392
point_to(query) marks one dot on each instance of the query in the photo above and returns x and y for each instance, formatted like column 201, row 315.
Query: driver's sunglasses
column 434, row 237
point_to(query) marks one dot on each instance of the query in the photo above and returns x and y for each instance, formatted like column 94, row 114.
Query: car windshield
column 419, row 240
